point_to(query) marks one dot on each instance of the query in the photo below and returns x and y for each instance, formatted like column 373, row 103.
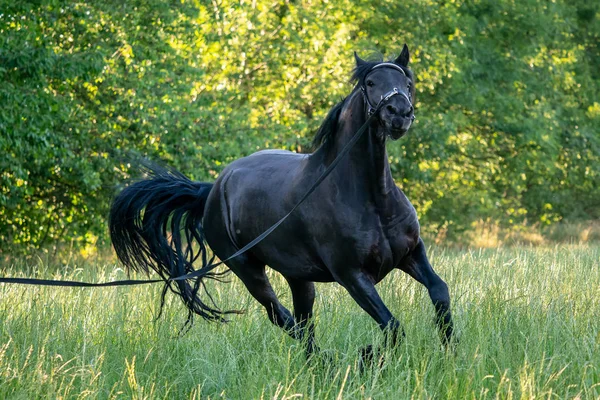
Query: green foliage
column 507, row 109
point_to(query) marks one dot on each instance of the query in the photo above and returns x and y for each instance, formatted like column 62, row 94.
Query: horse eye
column 370, row 83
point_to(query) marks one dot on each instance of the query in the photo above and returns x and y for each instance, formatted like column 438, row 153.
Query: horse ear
column 359, row 61
column 404, row 57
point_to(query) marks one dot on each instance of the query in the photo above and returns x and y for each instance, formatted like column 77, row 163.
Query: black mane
column 360, row 71
column 328, row 126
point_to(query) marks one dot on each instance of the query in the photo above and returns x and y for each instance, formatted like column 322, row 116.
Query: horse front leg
column 418, row 267
column 362, row 289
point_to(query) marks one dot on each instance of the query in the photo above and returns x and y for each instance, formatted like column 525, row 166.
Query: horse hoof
column 368, row 355
column 321, row 357
column 451, row 343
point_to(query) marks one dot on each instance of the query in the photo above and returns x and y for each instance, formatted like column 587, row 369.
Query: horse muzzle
column 397, row 126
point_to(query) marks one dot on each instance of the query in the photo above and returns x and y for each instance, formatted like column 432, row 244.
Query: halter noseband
column 370, row 108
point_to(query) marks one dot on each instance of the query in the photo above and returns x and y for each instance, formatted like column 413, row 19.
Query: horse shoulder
column 400, row 225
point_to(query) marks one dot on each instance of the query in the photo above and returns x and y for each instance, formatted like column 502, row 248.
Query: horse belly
column 292, row 268
column 286, row 252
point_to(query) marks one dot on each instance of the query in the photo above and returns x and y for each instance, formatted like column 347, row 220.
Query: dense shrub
column 508, row 113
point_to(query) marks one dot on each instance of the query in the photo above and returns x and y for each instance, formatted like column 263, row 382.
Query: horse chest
column 387, row 246
column 402, row 238
column 398, row 237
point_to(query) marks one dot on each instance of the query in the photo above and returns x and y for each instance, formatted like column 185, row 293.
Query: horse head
column 391, row 82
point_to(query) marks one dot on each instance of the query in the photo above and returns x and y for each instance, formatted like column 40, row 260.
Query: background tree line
column 508, row 113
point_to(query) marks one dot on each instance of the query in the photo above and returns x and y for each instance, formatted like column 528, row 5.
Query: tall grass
column 528, row 320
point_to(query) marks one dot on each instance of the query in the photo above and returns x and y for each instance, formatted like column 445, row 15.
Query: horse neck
column 367, row 160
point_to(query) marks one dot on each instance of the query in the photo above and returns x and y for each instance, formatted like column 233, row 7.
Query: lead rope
column 210, row 267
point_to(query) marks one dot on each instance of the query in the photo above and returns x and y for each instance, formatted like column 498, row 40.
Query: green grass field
column 528, row 321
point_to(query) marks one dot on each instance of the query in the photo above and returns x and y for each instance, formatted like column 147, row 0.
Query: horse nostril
column 391, row 109
column 408, row 112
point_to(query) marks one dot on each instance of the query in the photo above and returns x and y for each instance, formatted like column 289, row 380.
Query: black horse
column 354, row 229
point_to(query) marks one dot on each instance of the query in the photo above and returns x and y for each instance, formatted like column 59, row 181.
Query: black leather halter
column 395, row 91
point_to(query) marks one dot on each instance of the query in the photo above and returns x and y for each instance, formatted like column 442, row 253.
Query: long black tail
column 155, row 224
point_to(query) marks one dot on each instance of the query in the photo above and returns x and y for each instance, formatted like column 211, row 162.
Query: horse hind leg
column 418, row 267
column 247, row 267
column 303, row 295
column 255, row 279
